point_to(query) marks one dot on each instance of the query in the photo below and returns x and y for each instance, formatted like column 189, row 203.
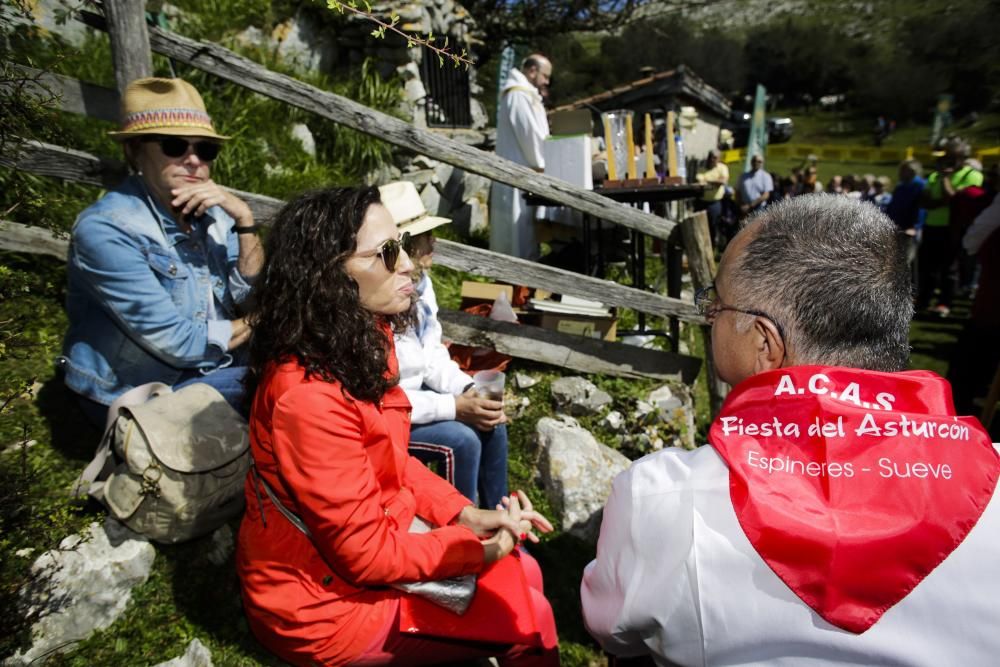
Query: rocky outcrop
column 196, row 655
column 576, row 472
column 577, row 396
column 83, row 586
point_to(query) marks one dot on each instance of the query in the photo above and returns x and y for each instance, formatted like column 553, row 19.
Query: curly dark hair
column 306, row 306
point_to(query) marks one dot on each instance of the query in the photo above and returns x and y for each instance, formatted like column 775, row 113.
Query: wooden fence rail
column 586, row 355
column 74, row 95
column 48, row 160
column 225, row 64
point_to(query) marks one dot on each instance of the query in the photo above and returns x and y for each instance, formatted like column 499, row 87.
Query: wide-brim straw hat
column 407, row 209
column 164, row 106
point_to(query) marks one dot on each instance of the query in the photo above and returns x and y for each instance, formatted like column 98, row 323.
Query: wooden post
column 701, row 263
column 129, row 41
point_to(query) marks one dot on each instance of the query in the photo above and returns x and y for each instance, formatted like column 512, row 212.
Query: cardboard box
column 605, row 328
column 474, row 293
column 578, row 121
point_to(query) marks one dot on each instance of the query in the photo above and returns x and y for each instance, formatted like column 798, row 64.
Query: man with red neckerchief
column 842, row 513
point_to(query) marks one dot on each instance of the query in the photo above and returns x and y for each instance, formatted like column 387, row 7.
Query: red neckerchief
column 853, row 485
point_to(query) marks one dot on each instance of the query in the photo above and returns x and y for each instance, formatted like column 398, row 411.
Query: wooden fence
column 574, row 352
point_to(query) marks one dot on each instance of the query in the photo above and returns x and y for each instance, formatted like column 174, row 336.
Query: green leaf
column 440, row 60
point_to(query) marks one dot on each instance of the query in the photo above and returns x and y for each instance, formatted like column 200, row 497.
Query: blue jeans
column 473, row 460
column 227, row 381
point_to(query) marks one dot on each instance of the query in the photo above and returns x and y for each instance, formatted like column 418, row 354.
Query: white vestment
column 521, row 128
column 677, row 578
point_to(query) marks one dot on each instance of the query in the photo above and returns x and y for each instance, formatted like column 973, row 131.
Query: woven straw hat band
column 164, row 106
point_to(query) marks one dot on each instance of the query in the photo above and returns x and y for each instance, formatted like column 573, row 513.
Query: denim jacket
column 138, row 299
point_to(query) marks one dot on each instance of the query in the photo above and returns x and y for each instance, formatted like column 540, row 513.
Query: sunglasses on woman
column 178, row 147
column 389, row 251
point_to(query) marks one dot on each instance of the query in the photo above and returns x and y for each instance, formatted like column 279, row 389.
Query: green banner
column 757, row 141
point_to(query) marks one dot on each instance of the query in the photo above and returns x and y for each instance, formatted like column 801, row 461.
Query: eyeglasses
column 710, row 305
column 389, row 251
column 178, row 147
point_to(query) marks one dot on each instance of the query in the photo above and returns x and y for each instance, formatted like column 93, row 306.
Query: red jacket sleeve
column 318, row 445
column 437, row 501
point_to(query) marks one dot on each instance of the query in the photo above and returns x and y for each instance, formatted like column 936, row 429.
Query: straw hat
column 407, row 209
column 164, row 106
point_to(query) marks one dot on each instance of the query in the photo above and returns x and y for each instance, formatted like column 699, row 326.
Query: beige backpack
column 172, row 464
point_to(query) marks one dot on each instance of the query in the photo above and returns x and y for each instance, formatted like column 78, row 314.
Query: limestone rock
column 521, row 406
column 443, row 175
column 301, row 132
column 408, row 72
column 253, row 37
column 432, row 200
column 577, row 472
column 413, row 90
column 83, row 586
column 524, row 381
column 424, row 162
column 419, row 177
column 480, row 117
column 305, row 44
column 578, row 396
column 471, row 216
column 196, row 655
column 614, row 421
column 664, row 400
column 223, row 545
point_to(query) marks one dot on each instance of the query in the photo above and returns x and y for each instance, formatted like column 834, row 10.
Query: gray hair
column 832, row 271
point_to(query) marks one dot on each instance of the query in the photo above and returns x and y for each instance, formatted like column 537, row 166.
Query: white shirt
column 675, row 576
column 427, row 373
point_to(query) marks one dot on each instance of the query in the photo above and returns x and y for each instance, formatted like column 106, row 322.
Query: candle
column 650, row 168
column 609, row 144
column 671, row 146
column 629, row 146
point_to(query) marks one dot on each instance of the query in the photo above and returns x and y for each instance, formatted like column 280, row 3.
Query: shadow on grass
column 562, row 560
column 206, row 590
column 72, row 434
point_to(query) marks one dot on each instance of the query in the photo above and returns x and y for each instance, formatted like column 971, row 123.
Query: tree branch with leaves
column 443, row 52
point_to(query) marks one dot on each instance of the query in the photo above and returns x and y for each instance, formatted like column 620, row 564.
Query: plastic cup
column 489, row 384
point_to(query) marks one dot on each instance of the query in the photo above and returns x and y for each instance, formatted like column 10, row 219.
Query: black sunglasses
column 178, row 147
column 389, row 251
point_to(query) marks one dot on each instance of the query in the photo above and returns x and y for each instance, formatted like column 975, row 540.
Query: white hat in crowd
column 407, row 209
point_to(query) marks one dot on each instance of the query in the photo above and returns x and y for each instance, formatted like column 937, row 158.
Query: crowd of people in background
column 945, row 216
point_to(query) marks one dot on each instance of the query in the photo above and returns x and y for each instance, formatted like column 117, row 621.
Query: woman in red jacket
column 326, row 535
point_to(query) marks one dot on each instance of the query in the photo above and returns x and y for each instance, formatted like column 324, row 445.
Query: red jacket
column 341, row 465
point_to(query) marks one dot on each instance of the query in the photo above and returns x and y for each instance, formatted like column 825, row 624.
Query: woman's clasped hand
column 512, row 522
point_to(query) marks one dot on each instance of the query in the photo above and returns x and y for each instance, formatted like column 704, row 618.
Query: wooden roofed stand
column 131, row 56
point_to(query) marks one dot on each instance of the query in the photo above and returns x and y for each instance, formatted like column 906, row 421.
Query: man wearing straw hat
column 451, row 423
column 159, row 266
column 521, row 128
